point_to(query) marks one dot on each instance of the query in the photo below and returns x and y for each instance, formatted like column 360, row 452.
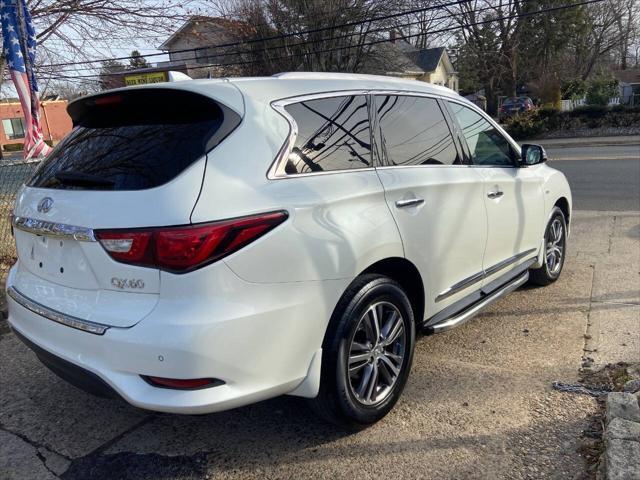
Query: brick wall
column 55, row 121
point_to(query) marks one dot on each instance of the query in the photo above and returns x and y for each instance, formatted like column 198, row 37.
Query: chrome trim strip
column 44, row 227
column 476, row 277
column 505, row 263
column 55, row 316
column 474, row 310
column 276, row 170
column 461, row 285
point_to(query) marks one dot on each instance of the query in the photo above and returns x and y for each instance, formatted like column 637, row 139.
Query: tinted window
column 487, row 145
column 333, row 134
column 134, row 140
column 414, row 132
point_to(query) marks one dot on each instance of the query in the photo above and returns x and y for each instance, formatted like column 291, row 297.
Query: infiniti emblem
column 45, row 204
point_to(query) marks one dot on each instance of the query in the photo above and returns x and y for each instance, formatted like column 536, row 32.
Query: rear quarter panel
column 339, row 223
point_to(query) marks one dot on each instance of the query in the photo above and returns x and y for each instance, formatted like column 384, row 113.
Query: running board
column 472, row 311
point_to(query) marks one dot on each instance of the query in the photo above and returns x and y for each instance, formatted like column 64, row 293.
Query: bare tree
column 602, row 37
column 80, row 30
column 628, row 24
column 307, row 45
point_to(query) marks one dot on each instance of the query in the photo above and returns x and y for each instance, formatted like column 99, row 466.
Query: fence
column 13, row 173
column 568, row 105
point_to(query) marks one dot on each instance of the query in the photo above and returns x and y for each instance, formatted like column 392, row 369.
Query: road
column 605, row 185
column 602, row 177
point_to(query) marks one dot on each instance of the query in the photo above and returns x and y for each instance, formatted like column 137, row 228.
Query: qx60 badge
column 123, row 283
column 45, row 204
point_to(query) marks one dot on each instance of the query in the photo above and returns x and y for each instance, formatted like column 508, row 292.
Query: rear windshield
column 133, row 140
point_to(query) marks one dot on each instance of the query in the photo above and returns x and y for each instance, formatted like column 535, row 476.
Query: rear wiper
column 80, row 179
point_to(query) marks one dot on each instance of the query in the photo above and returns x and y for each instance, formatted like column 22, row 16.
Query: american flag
column 19, row 42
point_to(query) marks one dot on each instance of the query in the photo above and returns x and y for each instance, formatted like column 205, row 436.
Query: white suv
column 197, row 246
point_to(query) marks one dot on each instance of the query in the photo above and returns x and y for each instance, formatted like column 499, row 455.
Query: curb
column 621, row 457
column 569, row 142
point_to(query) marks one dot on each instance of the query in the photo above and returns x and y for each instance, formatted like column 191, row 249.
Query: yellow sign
column 142, row 78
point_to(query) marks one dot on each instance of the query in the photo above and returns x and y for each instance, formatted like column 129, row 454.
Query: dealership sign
column 143, row 78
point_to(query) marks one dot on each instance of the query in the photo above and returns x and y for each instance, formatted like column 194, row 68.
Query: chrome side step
column 472, row 311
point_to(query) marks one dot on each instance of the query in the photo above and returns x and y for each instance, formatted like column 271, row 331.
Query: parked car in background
column 197, row 246
column 513, row 105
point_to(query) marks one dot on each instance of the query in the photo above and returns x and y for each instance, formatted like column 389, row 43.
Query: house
column 398, row 58
column 202, row 31
column 629, row 82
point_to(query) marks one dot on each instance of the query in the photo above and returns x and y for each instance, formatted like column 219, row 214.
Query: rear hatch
column 135, row 158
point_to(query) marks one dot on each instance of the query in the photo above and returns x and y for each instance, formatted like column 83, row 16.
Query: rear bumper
column 75, row 375
column 259, row 339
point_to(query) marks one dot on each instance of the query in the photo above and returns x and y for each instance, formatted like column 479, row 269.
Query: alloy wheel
column 376, row 353
column 555, row 246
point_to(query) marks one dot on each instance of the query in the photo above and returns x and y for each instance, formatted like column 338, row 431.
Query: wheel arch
column 563, row 204
column 407, row 275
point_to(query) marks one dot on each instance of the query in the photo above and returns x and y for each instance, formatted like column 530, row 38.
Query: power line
column 305, row 42
column 274, row 37
column 375, row 42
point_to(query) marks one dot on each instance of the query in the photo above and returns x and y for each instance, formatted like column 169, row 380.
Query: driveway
column 478, row 404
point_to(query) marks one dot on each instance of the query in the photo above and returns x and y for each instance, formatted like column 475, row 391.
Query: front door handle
column 496, row 194
column 410, row 202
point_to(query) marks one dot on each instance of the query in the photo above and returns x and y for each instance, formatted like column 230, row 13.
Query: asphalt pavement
column 604, row 173
column 605, row 185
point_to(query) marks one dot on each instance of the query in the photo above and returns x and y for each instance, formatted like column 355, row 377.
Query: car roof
column 293, row 84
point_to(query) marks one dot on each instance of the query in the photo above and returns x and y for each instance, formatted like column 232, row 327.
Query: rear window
column 512, row 101
column 134, row 140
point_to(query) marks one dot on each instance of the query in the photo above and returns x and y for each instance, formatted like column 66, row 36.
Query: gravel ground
column 478, row 404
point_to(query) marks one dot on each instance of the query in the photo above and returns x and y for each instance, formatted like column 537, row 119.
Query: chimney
column 392, row 36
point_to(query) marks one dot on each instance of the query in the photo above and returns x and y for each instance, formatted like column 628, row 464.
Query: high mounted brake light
column 182, row 249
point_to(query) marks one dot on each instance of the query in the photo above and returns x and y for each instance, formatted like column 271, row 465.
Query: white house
column 398, row 58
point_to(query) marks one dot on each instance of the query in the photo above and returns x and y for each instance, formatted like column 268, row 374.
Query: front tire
column 555, row 247
column 367, row 353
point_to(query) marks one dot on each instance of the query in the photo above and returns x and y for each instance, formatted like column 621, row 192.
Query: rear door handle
column 411, row 202
column 497, row 194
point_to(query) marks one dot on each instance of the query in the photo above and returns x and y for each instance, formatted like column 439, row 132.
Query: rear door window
column 134, row 140
column 414, row 132
column 333, row 134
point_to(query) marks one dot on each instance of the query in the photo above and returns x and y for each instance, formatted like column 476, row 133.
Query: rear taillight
column 181, row 249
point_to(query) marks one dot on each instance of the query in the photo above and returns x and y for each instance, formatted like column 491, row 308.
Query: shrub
column 538, row 122
column 526, row 124
column 574, row 89
column 601, row 90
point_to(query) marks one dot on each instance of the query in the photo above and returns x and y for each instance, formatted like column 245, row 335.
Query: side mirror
column 532, row 155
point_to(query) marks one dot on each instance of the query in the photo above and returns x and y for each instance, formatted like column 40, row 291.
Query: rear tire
column 555, row 247
column 367, row 353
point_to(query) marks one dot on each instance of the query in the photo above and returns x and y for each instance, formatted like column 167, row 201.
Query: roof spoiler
column 178, row 76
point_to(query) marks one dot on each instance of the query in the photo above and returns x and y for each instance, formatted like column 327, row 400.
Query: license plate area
column 58, row 259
